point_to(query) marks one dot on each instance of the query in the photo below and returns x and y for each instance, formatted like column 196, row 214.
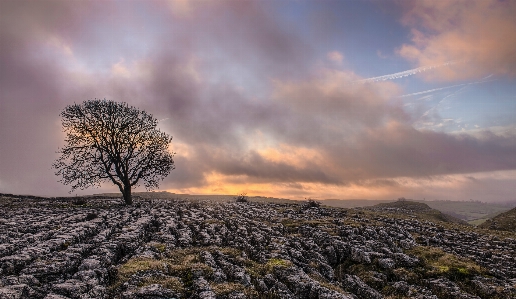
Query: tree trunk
column 128, row 198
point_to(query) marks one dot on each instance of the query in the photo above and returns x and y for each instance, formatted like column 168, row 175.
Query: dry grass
column 169, row 282
column 135, row 265
column 226, row 288
column 179, row 263
column 160, row 247
column 439, row 262
column 258, row 270
column 326, row 225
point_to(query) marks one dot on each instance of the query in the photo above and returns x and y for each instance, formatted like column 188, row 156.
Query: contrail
column 464, row 85
column 431, row 90
column 405, row 73
column 483, row 80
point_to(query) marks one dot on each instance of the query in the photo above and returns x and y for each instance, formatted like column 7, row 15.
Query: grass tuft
column 438, row 262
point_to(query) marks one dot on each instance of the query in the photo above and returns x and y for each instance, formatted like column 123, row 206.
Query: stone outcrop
column 98, row 248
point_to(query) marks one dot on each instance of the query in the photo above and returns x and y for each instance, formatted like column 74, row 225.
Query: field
column 197, row 248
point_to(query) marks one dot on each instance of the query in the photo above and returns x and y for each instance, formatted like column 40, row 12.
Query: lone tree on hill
column 108, row 141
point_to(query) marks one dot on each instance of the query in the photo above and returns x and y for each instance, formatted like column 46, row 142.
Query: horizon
column 232, row 196
column 284, row 99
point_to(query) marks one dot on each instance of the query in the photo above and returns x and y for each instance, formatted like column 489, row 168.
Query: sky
column 292, row 98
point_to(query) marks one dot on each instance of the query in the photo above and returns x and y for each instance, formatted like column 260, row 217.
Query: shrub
column 242, row 197
column 310, row 203
column 80, row 202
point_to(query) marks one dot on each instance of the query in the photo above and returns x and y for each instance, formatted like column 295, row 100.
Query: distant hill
column 504, row 221
column 470, row 210
column 350, row 203
column 415, row 208
column 406, row 205
column 474, row 212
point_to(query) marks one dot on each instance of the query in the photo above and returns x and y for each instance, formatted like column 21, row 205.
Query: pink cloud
column 335, row 57
column 481, row 34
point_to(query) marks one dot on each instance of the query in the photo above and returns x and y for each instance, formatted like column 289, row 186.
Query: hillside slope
column 504, row 221
column 419, row 209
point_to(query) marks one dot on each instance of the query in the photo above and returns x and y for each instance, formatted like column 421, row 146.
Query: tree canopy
column 109, row 141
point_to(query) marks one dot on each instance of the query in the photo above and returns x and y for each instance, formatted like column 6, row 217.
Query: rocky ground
column 99, row 248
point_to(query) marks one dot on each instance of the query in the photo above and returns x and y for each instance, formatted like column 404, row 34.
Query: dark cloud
column 259, row 169
column 189, row 173
column 401, row 151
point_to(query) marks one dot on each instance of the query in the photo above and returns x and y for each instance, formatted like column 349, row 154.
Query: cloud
column 481, row 33
column 400, row 150
column 335, row 57
column 341, row 135
column 239, row 91
column 165, row 80
column 120, row 69
column 487, row 187
column 181, row 8
column 30, row 97
column 338, row 107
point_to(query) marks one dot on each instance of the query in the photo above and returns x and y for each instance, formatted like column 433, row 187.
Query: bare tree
column 108, row 141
